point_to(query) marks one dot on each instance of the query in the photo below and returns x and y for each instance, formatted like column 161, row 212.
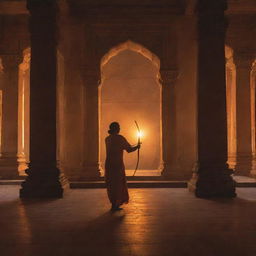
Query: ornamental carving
column 25, row 65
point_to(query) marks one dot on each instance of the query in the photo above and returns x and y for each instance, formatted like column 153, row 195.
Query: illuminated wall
column 130, row 91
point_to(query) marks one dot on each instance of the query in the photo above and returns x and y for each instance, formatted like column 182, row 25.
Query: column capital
column 168, row 76
column 10, row 61
column 25, row 65
column 244, row 59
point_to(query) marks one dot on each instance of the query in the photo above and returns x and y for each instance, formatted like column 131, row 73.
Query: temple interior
column 178, row 75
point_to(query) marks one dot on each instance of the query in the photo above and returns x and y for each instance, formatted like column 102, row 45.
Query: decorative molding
column 25, row 65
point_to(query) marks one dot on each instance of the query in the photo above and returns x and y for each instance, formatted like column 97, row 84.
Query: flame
column 140, row 134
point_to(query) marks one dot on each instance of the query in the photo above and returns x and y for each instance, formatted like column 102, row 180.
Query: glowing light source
column 140, row 134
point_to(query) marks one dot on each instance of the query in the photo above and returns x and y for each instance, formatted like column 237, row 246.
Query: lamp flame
column 140, row 134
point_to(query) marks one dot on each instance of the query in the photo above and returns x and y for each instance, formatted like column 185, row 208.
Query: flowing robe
column 115, row 170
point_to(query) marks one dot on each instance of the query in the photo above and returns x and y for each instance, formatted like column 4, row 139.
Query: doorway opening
column 129, row 91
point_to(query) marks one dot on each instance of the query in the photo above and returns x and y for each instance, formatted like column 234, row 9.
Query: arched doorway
column 130, row 91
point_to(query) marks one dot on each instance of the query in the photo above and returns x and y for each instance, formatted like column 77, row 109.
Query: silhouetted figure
column 114, row 166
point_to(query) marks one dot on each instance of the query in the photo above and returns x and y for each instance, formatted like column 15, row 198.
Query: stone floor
column 156, row 222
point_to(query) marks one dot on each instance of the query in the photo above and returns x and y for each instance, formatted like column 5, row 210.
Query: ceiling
column 12, row 7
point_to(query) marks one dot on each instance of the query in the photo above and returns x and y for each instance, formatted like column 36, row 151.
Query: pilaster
column 244, row 108
column 91, row 168
column 169, row 151
column 9, row 132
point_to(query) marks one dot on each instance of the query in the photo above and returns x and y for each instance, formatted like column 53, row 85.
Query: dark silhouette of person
column 114, row 166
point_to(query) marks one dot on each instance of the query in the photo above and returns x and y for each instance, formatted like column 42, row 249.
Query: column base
column 213, row 183
column 90, row 171
column 22, row 165
column 243, row 165
column 168, row 171
column 42, row 184
column 253, row 170
column 9, row 168
column 176, row 175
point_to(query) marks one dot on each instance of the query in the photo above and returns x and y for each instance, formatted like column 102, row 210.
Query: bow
column 138, row 157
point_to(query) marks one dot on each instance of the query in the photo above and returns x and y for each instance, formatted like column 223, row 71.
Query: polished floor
column 156, row 222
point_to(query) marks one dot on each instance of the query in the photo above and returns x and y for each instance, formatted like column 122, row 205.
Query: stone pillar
column 9, row 136
column 91, row 125
column 244, row 125
column 231, row 107
column 169, row 151
column 253, row 115
column 43, row 174
column 213, row 176
column 23, row 112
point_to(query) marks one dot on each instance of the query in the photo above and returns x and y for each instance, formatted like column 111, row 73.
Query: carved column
column 169, row 151
column 213, row 176
column 43, row 174
column 91, row 125
column 231, row 109
column 244, row 124
column 9, row 136
column 23, row 112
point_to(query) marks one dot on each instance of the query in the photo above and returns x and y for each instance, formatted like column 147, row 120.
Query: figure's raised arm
column 128, row 147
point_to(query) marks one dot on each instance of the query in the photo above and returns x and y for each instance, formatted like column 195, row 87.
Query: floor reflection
column 156, row 222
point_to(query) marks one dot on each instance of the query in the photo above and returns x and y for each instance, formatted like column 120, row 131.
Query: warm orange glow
column 119, row 80
column 140, row 134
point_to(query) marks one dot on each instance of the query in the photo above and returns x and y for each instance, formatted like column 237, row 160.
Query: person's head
column 114, row 128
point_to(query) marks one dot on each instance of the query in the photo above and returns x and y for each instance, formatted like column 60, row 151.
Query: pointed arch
column 130, row 45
